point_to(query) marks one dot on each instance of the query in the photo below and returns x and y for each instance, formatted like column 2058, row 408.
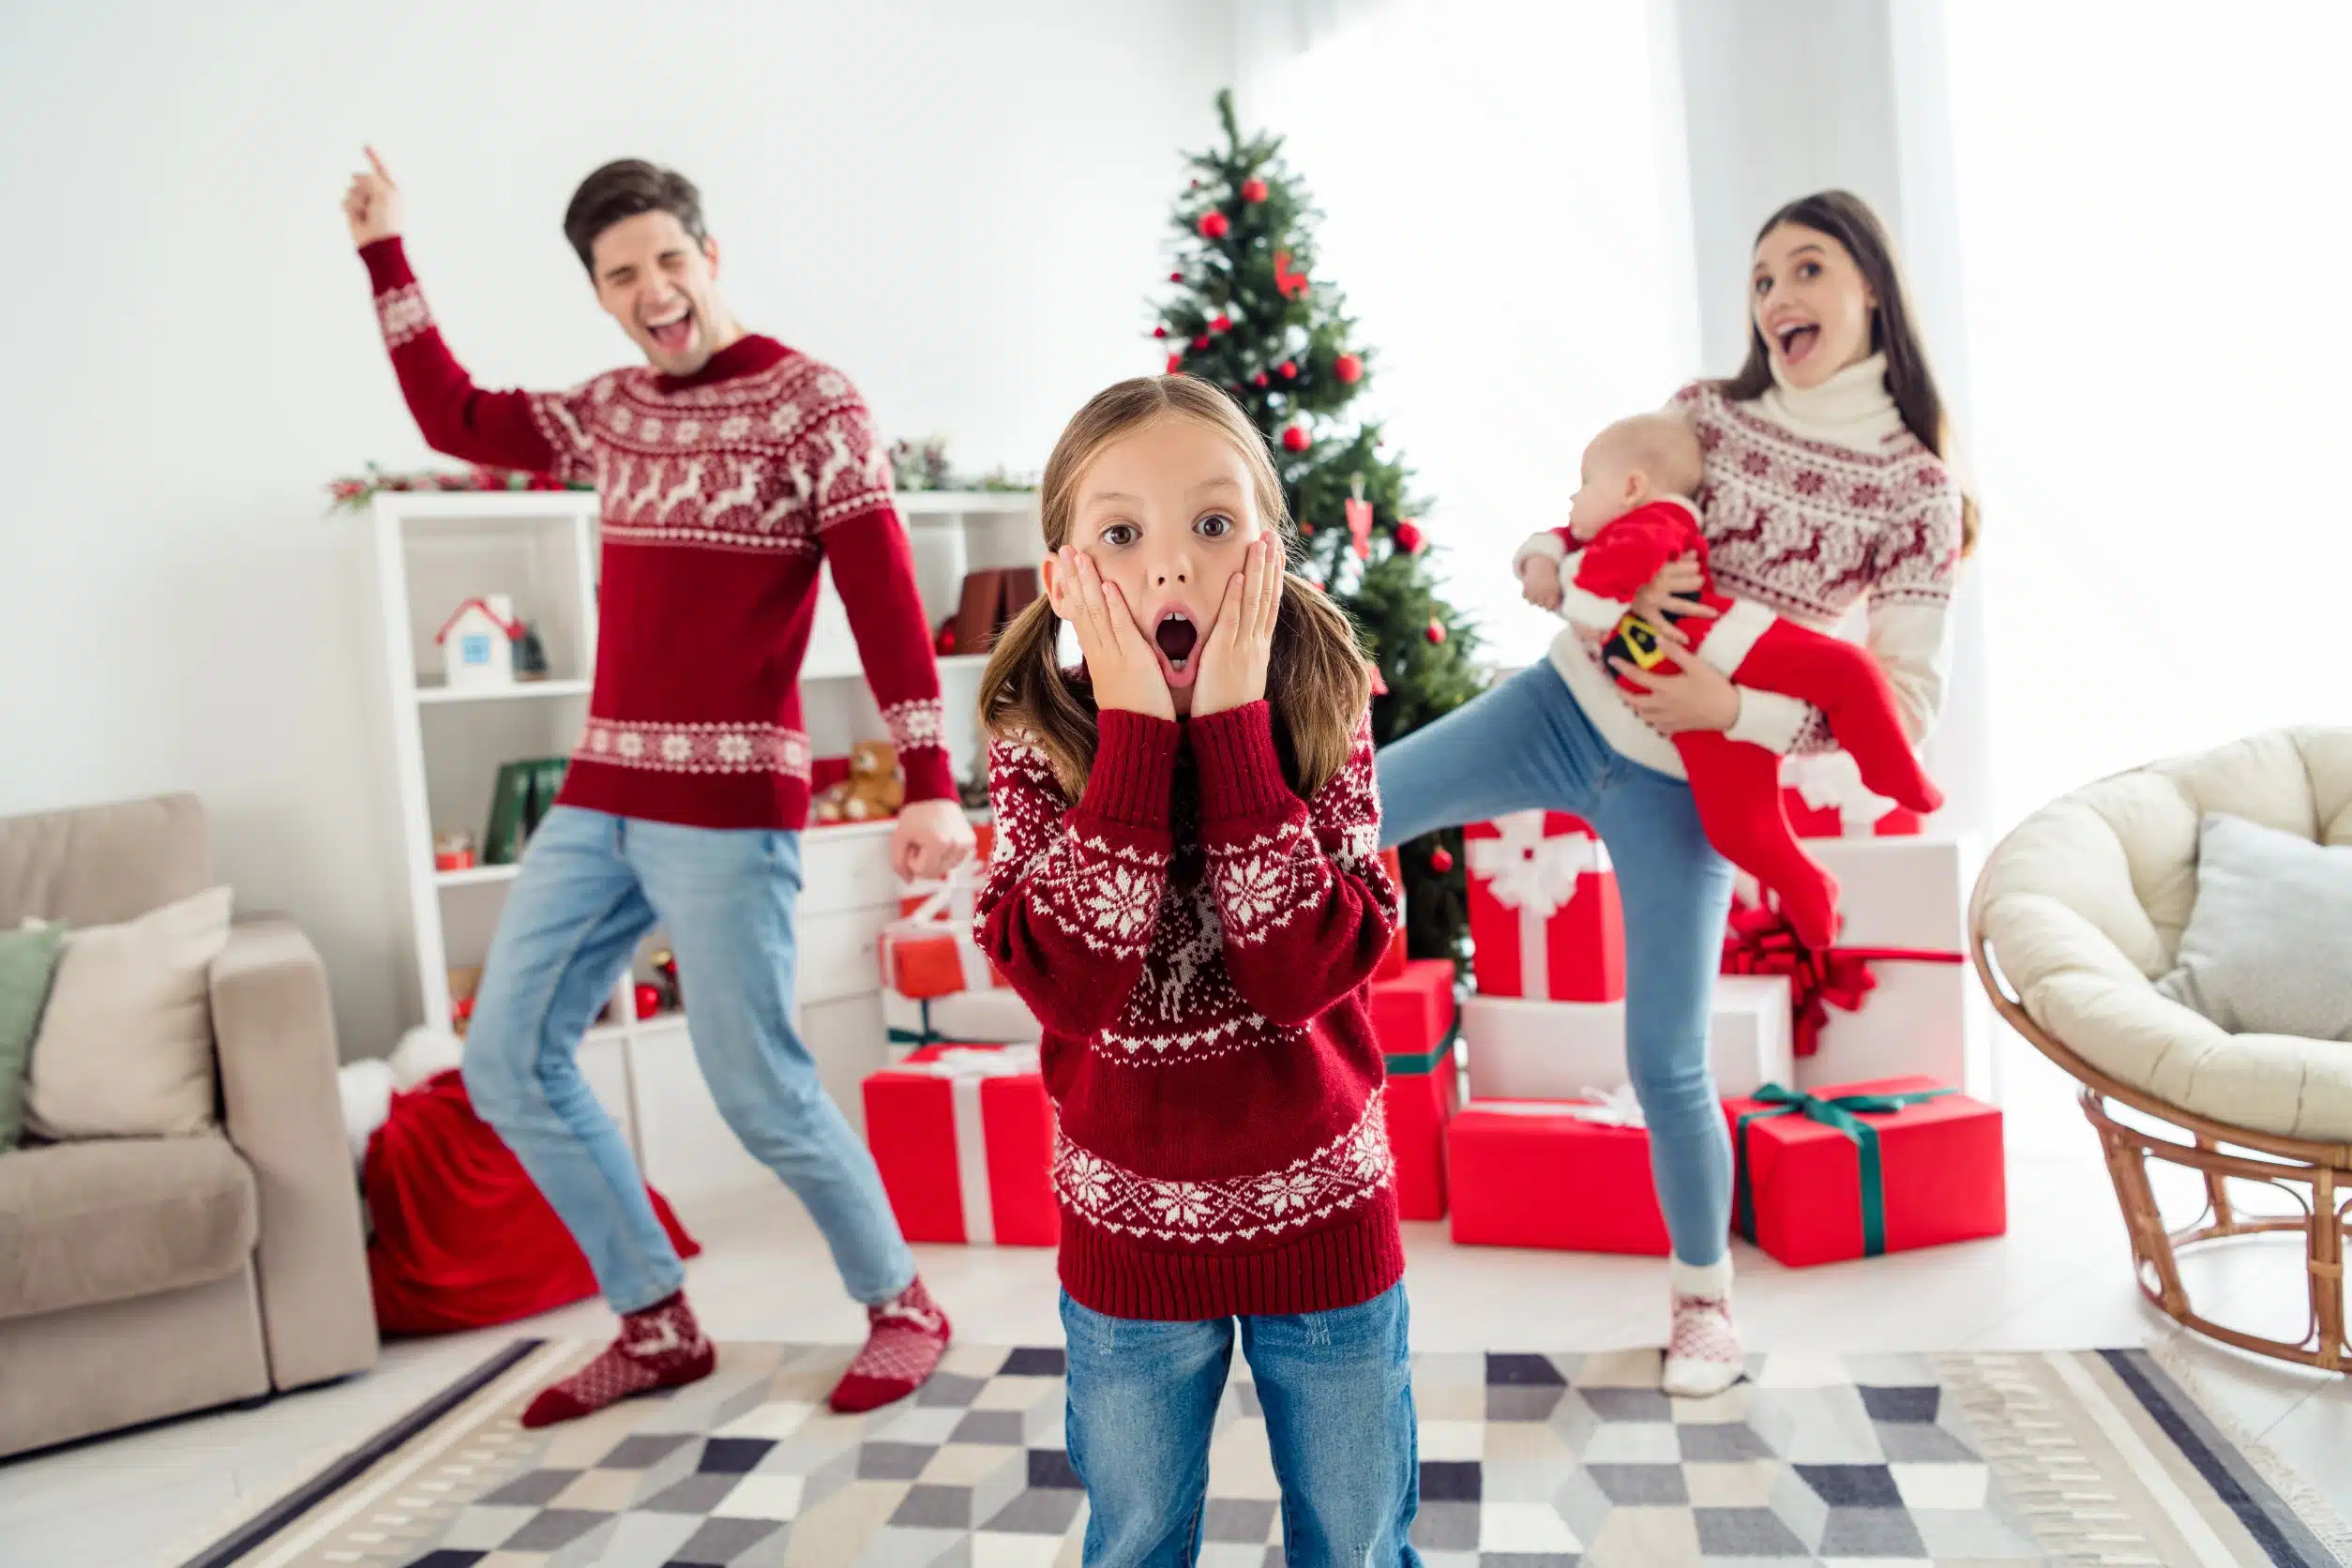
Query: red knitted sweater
column 721, row 492
column 1196, row 941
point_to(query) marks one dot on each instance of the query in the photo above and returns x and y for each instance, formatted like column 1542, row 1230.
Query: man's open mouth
column 672, row 334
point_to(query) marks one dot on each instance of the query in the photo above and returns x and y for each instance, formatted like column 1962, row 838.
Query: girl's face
column 1811, row 304
column 1165, row 512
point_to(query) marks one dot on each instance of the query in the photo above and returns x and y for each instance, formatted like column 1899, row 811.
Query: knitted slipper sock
column 662, row 1347
column 905, row 1338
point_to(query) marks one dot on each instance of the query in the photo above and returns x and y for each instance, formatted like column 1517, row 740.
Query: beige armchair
column 146, row 1277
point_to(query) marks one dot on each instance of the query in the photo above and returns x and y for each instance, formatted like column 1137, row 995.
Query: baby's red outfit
column 1735, row 784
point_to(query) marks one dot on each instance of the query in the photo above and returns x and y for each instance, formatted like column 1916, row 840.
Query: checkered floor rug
column 1526, row 1461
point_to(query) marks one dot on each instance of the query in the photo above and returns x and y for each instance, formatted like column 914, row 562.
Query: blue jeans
column 1336, row 1390
column 591, row 886
column 1527, row 745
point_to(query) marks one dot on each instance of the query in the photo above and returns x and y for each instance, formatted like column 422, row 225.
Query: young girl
column 1187, row 890
column 1824, row 483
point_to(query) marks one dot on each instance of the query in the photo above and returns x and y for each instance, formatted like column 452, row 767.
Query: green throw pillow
column 27, row 959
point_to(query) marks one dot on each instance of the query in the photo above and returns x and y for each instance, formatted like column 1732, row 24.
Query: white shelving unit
column 433, row 551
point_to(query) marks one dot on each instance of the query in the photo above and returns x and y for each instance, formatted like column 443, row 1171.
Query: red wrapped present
column 1543, row 910
column 1865, row 1168
column 1412, row 1017
column 1823, row 795
column 1393, row 961
column 1895, row 994
column 963, row 1136
column 929, row 951
column 1569, row 1174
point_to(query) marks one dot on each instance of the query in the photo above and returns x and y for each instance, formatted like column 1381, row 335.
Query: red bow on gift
column 1760, row 942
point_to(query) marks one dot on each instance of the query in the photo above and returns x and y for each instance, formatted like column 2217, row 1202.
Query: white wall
column 960, row 205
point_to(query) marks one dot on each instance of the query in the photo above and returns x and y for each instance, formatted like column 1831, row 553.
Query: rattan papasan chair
column 2078, row 912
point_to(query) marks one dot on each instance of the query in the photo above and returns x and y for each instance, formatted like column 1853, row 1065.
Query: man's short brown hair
column 622, row 189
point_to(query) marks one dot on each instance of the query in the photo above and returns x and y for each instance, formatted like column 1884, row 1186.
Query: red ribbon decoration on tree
column 1359, row 527
column 1761, row 941
column 1293, row 284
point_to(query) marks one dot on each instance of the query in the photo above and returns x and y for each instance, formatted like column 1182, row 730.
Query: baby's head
column 1630, row 463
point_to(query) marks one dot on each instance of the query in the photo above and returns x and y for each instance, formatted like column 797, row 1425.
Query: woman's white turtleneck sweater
column 1814, row 497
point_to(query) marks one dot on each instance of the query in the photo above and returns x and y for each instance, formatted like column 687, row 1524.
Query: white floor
column 2060, row 1279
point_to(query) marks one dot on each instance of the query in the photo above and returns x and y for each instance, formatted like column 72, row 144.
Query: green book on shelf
column 509, row 816
column 547, row 782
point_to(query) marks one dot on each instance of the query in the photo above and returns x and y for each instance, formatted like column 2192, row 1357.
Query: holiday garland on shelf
column 1248, row 313
column 355, row 492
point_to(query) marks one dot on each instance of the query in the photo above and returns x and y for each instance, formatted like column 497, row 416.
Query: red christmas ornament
column 1223, row 324
column 1295, row 439
column 1214, row 225
column 1175, row 362
column 1202, row 341
column 1253, row 190
column 1435, row 632
column 648, row 1001
column 1408, row 536
column 1441, row 860
column 1175, row 276
column 1349, row 368
column 1289, row 369
column 1160, row 332
column 1260, row 379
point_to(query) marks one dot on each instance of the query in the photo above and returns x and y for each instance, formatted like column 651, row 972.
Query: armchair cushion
column 2268, row 949
column 83, row 1223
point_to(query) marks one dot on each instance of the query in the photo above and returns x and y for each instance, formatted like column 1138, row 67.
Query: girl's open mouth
column 1178, row 639
column 1797, row 339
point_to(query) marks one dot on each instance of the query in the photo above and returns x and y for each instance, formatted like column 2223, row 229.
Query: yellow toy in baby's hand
column 875, row 786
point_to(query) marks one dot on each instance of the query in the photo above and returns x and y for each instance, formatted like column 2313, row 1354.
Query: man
column 728, row 466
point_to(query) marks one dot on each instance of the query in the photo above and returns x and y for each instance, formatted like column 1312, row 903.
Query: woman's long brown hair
column 1315, row 679
column 1848, row 219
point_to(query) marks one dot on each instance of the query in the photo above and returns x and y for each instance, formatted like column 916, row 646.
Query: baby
column 1630, row 520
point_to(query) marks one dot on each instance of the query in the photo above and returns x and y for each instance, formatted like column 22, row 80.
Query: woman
column 1825, row 483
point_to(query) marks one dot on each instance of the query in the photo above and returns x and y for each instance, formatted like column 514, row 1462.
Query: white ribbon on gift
column 1535, row 874
column 965, row 1068
column 1831, row 780
column 1610, row 1107
column 948, row 906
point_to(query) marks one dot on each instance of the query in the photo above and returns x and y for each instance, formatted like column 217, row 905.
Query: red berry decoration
column 1202, row 341
column 1214, row 225
column 1260, row 379
column 1223, row 324
column 1289, row 369
column 1441, row 860
column 1349, row 368
column 1160, row 332
column 648, row 1001
column 1175, row 276
column 1437, row 632
column 1408, row 536
column 1253, row 190
column 1175, row 362
column 1295, row 439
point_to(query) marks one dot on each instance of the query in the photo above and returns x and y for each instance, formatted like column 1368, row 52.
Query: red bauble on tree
column 1435, row 632
column 1175, row 362
column 648, row 1001
column 1349, row 368
column 1202, row 341
column 1160, row 332
column 1214, row 225
column 1175, row 276
column 1441, row 860
column 1254, row 190
column 1408, row 536
column 1260, row 379
column 1289, row 369
column 1295, row 439
column 1223, row 324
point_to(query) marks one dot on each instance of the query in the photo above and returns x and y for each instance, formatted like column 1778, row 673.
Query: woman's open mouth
column 1795, row 340
column 675, row 335
column 1178, row 639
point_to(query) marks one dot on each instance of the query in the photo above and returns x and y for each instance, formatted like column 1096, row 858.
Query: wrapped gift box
column 963, row 1137
column 1412, row 1017
column 993, row 1017
column 1543, row 918
column 1860, row 1169
column 1552, row 1050
column 929, row 951
column 1568, row 1175
column 1823, row 796
column 1895, row 996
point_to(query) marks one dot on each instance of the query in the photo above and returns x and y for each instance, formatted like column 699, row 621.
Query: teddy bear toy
column 875, row 786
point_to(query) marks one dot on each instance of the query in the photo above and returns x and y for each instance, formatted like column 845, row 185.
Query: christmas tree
column 1248, row 312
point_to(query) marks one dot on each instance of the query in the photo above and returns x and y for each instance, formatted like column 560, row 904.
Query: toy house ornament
column 477, row 643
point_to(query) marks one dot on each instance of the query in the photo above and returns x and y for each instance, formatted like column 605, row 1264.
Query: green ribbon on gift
column 1420, row 1063
column 1844, row 1112
column 927, row 1036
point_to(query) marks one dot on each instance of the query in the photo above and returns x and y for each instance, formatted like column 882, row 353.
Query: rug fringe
column 2317, row 1514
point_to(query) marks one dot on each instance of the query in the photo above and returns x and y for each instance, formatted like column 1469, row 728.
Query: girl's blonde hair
column 1317, row 681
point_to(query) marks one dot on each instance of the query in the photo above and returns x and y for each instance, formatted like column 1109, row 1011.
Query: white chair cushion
column 2083, row 905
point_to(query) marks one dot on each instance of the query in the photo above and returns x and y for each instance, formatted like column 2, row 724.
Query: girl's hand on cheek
column 1239, row 646
column 1125, row 670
